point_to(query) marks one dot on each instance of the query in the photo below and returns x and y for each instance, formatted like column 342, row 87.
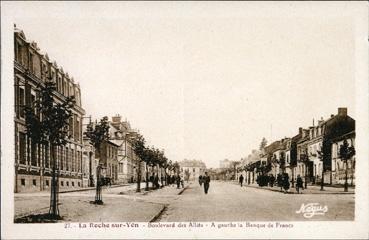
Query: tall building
column 32, row 161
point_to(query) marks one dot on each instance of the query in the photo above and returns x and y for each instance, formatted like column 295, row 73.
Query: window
column 23, row 182
column 31, row 57
column 21, row 102
column 46, row 155
column 47, row 182
column 62, row 183
column 67, row 184
column 34, row 182
column 73, row 163
column 22, row 148
column 76, row 128
column 71, row 126
column 33, row 154
column 77, row 161
column 66, row 158
column 72, row 184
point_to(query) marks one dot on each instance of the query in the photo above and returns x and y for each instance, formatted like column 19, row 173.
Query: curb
column 322, row 192
column 158, row 215
column 165, row 206
column 91, row 188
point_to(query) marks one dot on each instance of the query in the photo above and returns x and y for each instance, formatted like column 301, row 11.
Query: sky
column 201, row 80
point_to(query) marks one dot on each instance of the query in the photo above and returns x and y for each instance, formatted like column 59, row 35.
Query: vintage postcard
column 184, row 120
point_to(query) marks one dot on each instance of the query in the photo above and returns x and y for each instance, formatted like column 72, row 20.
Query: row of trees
column 152, row 157
column 47, row 124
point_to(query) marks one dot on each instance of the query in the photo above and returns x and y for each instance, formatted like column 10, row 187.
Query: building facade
column 194, row 168
column 32, row 161
column 338, row 164
column 108, row 159
column 129, row 163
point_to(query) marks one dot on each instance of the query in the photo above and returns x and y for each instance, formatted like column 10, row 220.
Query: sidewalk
column 311, row 189
column 120, row 204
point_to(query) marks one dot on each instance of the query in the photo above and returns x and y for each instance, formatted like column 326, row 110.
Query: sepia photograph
column 184, row 116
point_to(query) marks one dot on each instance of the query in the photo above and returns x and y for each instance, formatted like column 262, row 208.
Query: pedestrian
column 173, row 179
column 280, row 181
column 286, row 182
column 178, row 180
column 299, row 184
column 200, row 180
column 241, row 180
column 271, row 180
column 206, row 181
column 156, row 181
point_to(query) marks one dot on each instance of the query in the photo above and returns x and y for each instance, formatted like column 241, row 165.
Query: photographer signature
column 311, row 209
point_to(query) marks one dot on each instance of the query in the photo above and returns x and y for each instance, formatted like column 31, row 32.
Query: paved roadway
column 229, row 202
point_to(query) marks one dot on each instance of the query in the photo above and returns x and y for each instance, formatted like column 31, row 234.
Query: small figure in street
column 206, row 181
column 173, row 179
column 271, row 180
column 156, row 181
column 286, row 182
column 299, row 184
column 181, row 178
column 178, row 180
column 241, row 180
column 200, row 180
column 280, row 181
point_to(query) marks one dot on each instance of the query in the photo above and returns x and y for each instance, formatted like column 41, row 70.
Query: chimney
column 342, row 112
column 300, row 130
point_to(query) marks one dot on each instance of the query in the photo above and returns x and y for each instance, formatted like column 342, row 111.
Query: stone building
column 129, row 163
column 195, row 168
column 315, row 143
column 108, row 158
column 33, row 68
column 304, row 166
column 338, row 164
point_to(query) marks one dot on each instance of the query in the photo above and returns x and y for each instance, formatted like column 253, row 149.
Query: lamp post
column 98, row 196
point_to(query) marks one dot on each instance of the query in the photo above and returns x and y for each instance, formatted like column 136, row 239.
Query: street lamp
column 98, row 196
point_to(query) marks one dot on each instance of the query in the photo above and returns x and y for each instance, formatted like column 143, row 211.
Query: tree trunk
column 305, row 175
column 147, row 178
column 54, row 198
column 322, row 180
column 139, row 177
column 346, row 183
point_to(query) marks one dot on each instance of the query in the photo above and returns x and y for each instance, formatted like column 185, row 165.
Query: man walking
column 299, row 184
column 206, row 181
column 241, row 179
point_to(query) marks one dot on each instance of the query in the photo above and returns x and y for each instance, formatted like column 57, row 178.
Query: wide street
column 226, row 201
column 229, row 202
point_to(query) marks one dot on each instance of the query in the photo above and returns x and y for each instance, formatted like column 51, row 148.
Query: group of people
column 206, row 181
column 175, row 179
column 282, row 181
column 154, row 179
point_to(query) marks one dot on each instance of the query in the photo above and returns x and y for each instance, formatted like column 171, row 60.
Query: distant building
column 195, row 168
column 225, row 163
